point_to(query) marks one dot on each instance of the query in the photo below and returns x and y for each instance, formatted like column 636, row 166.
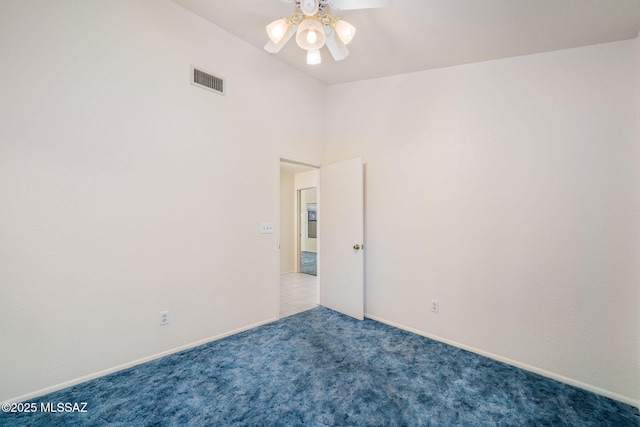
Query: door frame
column 278, row 224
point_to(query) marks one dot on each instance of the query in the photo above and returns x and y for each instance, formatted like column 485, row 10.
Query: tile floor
column 298, row 292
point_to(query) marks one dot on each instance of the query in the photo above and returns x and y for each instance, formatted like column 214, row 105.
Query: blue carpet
column 309, row 263
column 320, row 368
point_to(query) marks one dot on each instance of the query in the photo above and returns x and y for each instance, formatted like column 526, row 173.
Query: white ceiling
column 415, row 35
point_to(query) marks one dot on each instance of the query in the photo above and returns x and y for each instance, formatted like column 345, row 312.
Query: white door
column 341, row 232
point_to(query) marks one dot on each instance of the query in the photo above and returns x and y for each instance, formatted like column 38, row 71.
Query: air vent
column 206, row 80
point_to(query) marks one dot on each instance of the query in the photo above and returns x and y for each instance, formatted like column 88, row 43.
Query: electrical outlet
column 435, row 306
column 266, row 228
column 164, row 318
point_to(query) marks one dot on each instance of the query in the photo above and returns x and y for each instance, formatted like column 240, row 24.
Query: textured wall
column 507, row 190
column 126, row 191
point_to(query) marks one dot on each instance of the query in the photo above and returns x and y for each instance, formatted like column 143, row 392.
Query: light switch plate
column 164, row 318
column 266, row 228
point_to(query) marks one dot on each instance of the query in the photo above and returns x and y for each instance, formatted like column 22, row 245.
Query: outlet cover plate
column 435, row 306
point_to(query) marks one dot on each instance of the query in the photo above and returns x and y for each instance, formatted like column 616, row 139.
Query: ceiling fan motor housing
column 312, row 7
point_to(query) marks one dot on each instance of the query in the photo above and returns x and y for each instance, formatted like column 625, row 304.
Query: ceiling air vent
column 206, row 80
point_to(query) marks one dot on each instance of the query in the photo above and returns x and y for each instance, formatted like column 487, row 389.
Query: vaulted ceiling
column 415, row 35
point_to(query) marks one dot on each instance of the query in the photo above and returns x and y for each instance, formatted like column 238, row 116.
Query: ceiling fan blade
column 358, row 4
column 272, row 47
column 337, row 49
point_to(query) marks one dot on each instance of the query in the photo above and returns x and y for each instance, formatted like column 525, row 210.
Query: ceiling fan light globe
column 312, row 37
column 303, row 39
column 345, row 31
column 314, row 57
column 277, row 29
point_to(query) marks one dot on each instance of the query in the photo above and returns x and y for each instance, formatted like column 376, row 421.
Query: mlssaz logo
column 63, row 407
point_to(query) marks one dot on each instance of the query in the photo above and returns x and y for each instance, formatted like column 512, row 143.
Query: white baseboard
column 104, row 372
column 517, row 364
column 508, row 361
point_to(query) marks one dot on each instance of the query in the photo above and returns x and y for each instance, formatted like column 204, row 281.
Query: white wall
column 508, row 190
column 288, row 214
column 307, row 179
column 126, row 191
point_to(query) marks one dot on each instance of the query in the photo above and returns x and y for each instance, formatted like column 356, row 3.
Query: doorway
column 340, row 238
column 299, row 287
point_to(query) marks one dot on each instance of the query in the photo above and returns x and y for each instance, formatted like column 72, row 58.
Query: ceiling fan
column 314, row 28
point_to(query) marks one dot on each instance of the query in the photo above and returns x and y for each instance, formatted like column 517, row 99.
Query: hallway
column 298, row 293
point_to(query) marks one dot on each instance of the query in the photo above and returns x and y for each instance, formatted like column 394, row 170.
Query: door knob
column 356, row 247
